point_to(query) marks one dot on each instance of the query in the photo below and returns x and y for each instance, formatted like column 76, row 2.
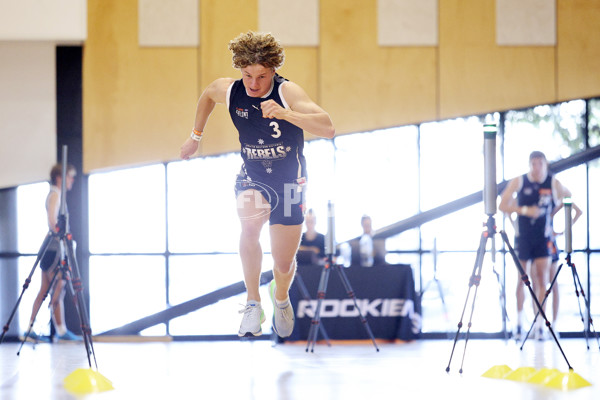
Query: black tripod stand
column 568, row 204
column 60, row 273
column 69, row 270
column 490, row 196
column 306, row 296
column 329, row 264
column 436, row 281
column 578, row 290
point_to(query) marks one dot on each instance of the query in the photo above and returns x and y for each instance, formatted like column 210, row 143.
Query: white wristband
column 195, row 136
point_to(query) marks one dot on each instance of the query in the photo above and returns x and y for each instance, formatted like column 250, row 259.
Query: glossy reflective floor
column 262, row 370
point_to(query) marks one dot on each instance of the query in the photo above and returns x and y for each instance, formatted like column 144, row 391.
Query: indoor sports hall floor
column 261, row 370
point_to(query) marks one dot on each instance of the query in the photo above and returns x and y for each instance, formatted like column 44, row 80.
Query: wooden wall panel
column 137, row 101
column 139, row 104
column 476, row 75
column 578, row 49
column 364, row 86
column 220, row 22
column 301, row 66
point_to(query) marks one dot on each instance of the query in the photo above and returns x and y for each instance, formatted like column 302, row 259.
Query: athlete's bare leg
column 540, row 270
column 45, row 285
column 555, row 295
column 253, row 211
column 57, row 303
column 285, row 240
column 520, row 293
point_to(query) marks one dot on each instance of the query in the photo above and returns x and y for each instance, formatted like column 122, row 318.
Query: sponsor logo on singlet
column 241, row 112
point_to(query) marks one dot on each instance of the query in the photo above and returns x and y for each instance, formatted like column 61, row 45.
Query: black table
column 385, row 294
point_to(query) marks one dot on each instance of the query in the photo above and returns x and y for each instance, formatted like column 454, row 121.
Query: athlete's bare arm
column 508, row 205
column 215, row 93
column 303, row 112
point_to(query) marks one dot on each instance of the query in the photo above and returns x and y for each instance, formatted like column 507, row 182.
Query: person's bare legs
column 253, row 211
column 520, row 294
column 555, row 295
column 57, row 305
column 540, row 278
column 285, row 240
column 540, row 269
column 37, row 303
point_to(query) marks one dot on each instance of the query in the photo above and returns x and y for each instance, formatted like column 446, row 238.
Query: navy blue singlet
column 272, row 149
column 540, row 194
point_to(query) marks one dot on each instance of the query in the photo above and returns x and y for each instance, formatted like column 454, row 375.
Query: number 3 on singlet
column 275, row 126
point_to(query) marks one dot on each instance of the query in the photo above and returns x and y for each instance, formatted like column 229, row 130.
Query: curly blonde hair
column 256, row 48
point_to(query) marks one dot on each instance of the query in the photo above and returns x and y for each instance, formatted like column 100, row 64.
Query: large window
column 557, row 130
column 594, row 122
column 375, row 174
column 594, row 212
column 31, row 216
column 125, row 288
column 32, row 228
column 167, row 234
column 127, row 211
column 320, row 161
column 128, row 224
column 451, row 160
column 202, row 205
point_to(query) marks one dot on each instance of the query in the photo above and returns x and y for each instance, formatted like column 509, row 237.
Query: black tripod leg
column 502, row 299
column 50, row 290
column 40, row 255
column 543, row 302
column 527, row 283
column 474, row 279
column 351, row 295
column 76, row 288
column 440, row 293
column 577, row 283
column 579, row 305
column 306, row 296
column 314, row 325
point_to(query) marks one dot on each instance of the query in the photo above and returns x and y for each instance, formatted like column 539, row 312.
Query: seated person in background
column 366, row 250
column 312, row 244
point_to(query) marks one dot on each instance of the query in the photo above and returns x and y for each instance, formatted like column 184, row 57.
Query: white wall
column 29, row 33
column 54, row 20
column 27, row 112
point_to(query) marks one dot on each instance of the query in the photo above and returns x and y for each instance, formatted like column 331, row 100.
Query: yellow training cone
column 566, row 381
column 543, row 375
column 520, row 374
column 497, row 371
column 85, row 381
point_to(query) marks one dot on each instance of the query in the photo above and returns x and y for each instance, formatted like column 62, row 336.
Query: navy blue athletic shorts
column 528, row 249
column 286, row 201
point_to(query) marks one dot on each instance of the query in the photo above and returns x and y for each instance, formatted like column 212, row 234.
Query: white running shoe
column 253, row 317
column 517, row 335
column 283, row 314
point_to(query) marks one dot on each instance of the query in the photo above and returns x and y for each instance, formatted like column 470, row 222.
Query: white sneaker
column 283, row 314
column 518, row 333
column 253, row 317
column 539, row 331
